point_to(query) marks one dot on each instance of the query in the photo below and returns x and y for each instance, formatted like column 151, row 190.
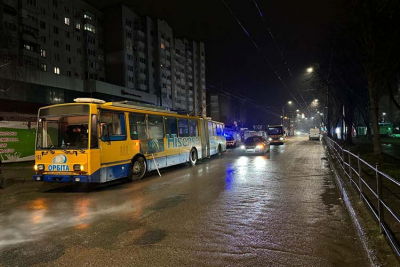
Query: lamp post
column 283, row 112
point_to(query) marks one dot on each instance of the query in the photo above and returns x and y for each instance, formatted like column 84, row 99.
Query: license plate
column 250, row 150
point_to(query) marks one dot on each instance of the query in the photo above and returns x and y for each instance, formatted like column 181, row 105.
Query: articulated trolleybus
column 91, row 141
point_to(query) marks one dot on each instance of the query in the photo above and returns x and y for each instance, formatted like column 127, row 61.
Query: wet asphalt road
column 235, row 210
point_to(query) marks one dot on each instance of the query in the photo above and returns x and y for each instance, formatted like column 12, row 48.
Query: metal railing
column 378, row 190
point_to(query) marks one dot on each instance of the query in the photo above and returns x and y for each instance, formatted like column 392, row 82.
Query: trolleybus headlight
column 281, row 138
column 78, row 167
column 259, row 146
column 242, row 147
column 39, row 167
column 270, row 139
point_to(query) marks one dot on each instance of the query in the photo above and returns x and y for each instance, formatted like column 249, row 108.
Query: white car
column 314, row 134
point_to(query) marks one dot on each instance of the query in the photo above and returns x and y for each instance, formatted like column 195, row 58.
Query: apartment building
column 63, row 49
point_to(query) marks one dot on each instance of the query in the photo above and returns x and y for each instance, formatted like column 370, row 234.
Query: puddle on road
column 330, row 197
column 167, row 203
column 151, row 237
column 37, row 219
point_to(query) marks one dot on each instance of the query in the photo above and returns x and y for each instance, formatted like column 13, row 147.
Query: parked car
column 230, row 142
column 256, row 144
column 314, row 134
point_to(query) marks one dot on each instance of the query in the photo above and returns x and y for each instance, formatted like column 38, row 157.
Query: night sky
column 232, row 60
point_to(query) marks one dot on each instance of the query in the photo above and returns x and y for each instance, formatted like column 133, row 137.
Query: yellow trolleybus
column 91, row 141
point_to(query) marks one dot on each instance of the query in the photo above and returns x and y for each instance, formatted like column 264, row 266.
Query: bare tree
column 375, row 27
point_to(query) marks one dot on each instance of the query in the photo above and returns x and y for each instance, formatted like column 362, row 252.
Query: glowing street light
column 315, row 100
column 297, row 110
column 283, row 110
column 310, row 70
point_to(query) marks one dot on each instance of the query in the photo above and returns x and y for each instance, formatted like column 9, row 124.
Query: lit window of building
column 66, row 20
column 89, row 27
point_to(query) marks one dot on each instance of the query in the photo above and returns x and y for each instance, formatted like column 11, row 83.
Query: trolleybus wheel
column 192, row 157
column 138, row 169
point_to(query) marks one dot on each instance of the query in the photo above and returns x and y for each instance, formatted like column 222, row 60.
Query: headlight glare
column 242, row 147
column 270, row 139
column 259, row 146
column 281, row 138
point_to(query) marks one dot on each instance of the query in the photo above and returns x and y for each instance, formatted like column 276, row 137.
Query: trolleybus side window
column 210, row 129
column 218, row 129
column 214, row 128
column 156, row 127
column 193, row 128
column 183, row 127
column 171, row 126
column 113, row 126
column 137, row 126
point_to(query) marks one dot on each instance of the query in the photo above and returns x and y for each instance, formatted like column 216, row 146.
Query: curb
column 349, row 206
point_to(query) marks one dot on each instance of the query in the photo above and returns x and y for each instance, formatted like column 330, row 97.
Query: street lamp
column 383, row 116
column 283, row 110
column 310, row 70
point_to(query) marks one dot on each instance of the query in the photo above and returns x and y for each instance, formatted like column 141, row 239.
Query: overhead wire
column 238, row 95
column 283, row 58
column 233, row 97
column 262, row 54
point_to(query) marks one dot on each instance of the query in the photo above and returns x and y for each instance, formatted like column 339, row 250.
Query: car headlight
column 242, row 147
column 281, row 138
column 270, row 139
column 259, row 146
column 78, row 167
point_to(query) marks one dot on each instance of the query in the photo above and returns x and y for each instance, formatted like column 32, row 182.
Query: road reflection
column 38, row 217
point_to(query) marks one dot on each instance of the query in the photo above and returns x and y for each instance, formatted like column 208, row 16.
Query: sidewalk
column 16, row 173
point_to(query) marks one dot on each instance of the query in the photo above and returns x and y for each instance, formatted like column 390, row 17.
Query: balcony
column 141, row 75
column 140, row 33
column 141, row 87
column 140, row 43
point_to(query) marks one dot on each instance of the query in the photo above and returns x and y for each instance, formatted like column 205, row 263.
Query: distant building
column 232, row 112
column 53, row 51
